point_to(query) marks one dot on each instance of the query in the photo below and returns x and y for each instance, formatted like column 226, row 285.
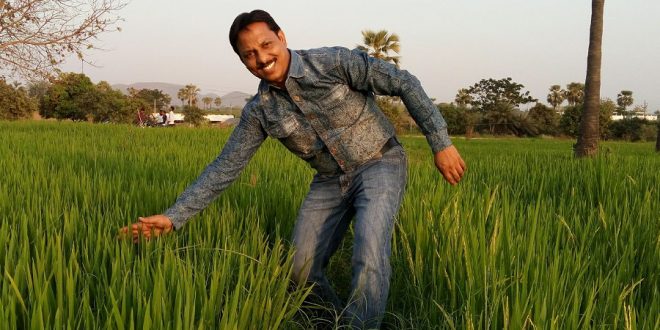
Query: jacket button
column 296, row 98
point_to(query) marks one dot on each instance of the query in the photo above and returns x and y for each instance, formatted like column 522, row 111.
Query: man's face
column 264, row 53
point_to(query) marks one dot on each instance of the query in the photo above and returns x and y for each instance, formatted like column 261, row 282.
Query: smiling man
column 321, row 105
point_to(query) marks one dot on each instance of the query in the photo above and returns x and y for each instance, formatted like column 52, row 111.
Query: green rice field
column 531, row 238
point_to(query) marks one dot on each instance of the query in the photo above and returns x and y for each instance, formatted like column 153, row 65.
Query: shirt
column 327, row 115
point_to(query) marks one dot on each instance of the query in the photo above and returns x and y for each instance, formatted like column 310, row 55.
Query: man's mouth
column 269, row 66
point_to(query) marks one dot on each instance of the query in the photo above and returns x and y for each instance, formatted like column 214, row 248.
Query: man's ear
column 282, row 37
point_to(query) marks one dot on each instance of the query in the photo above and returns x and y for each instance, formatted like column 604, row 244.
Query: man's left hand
column 450, row 164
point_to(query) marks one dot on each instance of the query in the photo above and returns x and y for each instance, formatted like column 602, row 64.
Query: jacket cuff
column 439, row 140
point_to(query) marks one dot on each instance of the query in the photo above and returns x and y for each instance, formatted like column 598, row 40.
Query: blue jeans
column 372, row 194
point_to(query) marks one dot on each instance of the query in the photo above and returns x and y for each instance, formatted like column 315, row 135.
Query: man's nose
column 261, row 58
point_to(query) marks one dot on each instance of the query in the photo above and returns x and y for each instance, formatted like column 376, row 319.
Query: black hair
column 245, row 19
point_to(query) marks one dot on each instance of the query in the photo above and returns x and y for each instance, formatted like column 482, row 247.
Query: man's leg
column 377, row 194
column 322, row 221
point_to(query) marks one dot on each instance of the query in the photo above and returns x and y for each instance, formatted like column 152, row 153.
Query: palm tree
column 190, row 92
column 589, row 133
column 217, row 101
column 207, row 100
column 463, row 97
column 624, row 100
column 556, row 96
column 379, row 44
column 181, row 95
column 574, row 93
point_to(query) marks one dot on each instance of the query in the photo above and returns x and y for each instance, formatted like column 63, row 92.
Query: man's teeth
column 270, row 65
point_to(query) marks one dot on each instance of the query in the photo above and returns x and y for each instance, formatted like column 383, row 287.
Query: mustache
column 264, row 64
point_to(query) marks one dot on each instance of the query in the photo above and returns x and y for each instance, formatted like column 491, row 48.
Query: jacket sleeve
column 369, row 74
column 243, row 142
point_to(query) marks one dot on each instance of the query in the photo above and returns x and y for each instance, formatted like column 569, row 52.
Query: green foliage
column 193, row 115
column 74, row 96
column 112, row 105
column 152, row 97
column 394, row 111
column 455, row 116
column 15, row 102
column 574, row 93
column 570, row 119
column 633, row 129
column 531, row 238
column 545, row 119
column 71, row 96
column 491, row 95
column 556, row 96
column 379, row 44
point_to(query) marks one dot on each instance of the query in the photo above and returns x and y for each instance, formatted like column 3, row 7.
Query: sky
column 448, row 45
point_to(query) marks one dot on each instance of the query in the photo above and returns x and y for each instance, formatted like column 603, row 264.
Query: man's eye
column 248, row 55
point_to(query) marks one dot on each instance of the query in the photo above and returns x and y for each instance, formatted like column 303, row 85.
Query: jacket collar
column 296, row 70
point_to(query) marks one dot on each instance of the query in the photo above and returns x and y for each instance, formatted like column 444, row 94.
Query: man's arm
column 244, row 141
column 366, row 73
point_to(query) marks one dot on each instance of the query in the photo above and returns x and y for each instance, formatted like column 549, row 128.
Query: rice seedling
column 530, row 238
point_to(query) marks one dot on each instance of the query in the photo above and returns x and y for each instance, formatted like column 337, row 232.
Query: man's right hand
column 148, row 227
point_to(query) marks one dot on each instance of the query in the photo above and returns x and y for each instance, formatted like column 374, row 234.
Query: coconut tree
column 624, row 100
column 190, row 92
column 217, row 101
column 589, row 133
column 574, row 93
column 556, row 96
column 463, row 97
column 207, row 100
column 181, row 95
column 379, row 44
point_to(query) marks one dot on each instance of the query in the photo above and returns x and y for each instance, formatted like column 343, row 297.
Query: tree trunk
column 657, row 140
column 589, row 133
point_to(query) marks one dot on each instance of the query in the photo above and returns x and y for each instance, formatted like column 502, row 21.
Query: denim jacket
column 327, row 116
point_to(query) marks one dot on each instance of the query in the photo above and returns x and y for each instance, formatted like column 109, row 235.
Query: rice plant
column 530, row 238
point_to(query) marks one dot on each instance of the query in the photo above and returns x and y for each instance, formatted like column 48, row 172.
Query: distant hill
column 233, row 99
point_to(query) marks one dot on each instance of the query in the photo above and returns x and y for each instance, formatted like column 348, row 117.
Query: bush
column 193, row 115
column 633, row 129
column 454, row 116
column 14, row 102
column 544, row 118
column 569, row 123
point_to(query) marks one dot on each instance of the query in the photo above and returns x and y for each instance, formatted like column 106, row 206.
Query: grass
column 530, row 238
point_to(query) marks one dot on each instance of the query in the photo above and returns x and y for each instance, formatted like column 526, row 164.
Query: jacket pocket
column 284, row 128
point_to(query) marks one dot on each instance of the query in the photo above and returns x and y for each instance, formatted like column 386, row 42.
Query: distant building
column 637, row 115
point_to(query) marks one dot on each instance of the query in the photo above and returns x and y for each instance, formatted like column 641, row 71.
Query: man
column 320, row 104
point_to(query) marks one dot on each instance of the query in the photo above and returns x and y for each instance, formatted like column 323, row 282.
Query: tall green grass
column 530, row 238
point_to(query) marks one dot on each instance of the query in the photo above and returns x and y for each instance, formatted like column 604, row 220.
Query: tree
column 624, row 100
column 657, row 139
column 15, row 102
column 193, row 115
column 569, row 123
column 189, row 93
column 217, row 101
column 588, row 136
column 181, row 95
column 544, row 118
column 490, row 94
column 463, row 97
column 38, row 35
column 112, row 106
column 207, row 100
column 71, row 96
column 153, row 98
column 574, row 93
column 556, row 96
column 379, row 44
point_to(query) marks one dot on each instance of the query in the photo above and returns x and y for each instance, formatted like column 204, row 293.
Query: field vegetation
column 532, row 238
